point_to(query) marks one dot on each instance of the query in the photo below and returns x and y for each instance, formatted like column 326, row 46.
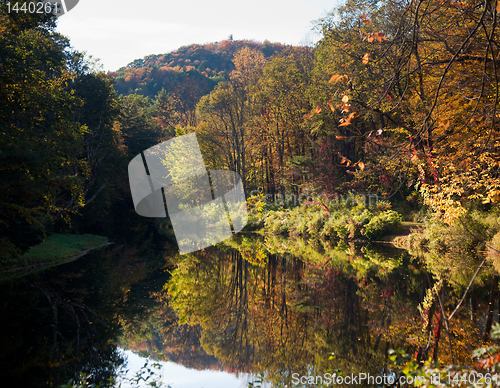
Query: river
column 252, row 309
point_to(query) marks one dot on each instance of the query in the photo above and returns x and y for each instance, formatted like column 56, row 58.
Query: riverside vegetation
column 396, row 99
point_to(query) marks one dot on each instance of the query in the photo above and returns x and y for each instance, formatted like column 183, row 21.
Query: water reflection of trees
column 63, row 322
column 283, row 315
column 49, row 337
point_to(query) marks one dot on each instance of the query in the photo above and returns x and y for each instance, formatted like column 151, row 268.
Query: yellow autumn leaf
column 365, row 58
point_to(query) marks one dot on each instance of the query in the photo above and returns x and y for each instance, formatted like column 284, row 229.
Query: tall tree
column 228, row 110
column 283, row 101
column 39, row 140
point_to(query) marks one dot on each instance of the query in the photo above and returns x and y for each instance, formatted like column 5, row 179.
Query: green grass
column 55, row 250
column 62, row 246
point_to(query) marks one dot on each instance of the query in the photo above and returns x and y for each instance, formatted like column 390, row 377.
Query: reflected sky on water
column 178, row 376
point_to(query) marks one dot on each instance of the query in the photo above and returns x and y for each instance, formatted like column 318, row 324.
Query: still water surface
column 226, row 316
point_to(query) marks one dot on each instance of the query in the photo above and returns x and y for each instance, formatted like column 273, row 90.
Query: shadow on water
column 63, row 322
column 251, row 305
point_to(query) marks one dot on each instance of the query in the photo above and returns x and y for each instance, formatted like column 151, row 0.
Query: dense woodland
column 397, row 99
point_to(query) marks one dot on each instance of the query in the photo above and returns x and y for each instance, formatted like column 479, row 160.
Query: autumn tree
column 41, row 143
column 56, row 119
column 282, row 99
column 415, row 86
column 228, row 111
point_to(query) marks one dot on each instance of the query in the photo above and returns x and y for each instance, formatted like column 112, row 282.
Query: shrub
column 335, row 220
column 386, row 222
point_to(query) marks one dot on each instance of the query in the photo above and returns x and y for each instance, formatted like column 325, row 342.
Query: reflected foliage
column 291, row 312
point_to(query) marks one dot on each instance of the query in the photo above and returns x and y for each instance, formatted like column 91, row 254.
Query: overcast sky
column 119, row 31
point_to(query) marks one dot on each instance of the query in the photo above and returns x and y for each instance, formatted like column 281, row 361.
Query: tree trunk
column 491, row 307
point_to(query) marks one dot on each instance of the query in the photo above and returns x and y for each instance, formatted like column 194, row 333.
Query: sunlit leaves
column 380, row 36
column 345, row 160
column 347, row 121
column 332, row 108
column 338, row 77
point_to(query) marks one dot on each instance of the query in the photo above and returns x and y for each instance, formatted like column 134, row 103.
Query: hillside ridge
column 207, row 64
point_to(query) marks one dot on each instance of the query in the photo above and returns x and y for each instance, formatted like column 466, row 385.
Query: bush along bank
column 328, row 217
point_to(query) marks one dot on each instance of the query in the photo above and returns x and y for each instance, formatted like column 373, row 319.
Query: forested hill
column 204, row 65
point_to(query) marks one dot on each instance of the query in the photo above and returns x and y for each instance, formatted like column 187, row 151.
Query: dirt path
column 400, row 239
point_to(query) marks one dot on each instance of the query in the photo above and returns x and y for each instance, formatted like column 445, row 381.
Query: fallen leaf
column 307, row 116
column 340, row 137
column 345, row 46
column 371, row 39
column 318, row 109
column 345, row 99
column 366, row 21
column 331, row 106
column 498, row 6
column 365, row 58
column 361, row 165
column 363, row 16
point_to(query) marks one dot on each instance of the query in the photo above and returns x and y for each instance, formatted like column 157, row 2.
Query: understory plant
column 334, row 219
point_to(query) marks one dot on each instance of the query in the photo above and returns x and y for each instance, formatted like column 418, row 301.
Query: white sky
column 119, row 31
